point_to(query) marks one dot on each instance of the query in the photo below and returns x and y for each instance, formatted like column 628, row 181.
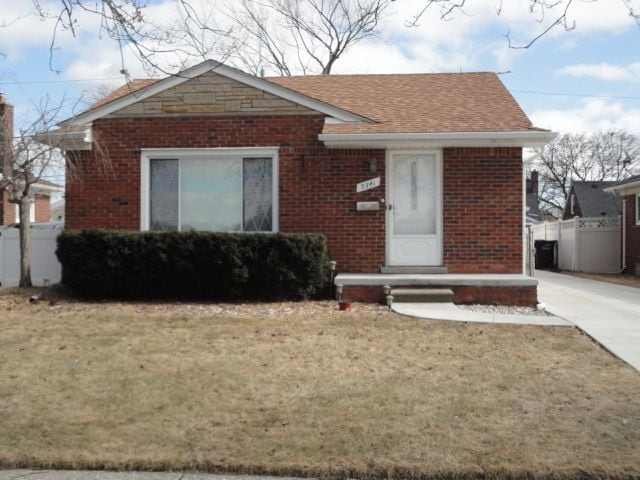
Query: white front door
column 414, row 230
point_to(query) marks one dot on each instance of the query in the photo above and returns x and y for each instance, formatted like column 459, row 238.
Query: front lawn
column 302, row 389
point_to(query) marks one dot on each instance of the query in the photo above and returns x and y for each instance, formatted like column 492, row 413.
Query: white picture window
column 215, row 190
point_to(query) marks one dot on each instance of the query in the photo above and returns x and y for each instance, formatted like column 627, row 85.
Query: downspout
column 624, row 234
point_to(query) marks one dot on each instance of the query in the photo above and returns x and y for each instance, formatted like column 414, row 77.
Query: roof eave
column 625, row 188
column 67, row 141
column 533, row 138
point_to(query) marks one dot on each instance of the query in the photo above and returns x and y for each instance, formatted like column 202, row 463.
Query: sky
column 578, row 81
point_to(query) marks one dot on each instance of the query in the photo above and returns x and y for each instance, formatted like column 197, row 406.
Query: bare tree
column 126, row 22
column 609, row 155
column 26, row 158
column 551, row 14
column 284, row 36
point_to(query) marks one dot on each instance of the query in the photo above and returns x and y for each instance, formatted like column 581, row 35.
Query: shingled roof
column 402, row 103
column 122, row 90
column 594, row 201
column 415, row 103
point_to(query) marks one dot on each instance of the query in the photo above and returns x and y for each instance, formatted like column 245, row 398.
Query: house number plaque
column 368, row 185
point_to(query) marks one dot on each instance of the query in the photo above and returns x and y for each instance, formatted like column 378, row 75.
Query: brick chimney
column 7, row 210
column 533, row 184
column 6, row 114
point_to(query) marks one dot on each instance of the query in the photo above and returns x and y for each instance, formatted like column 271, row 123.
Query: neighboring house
column 533, row 214
column 214, row 148
column 628, row 191
column 57, row 210
column 590, row 199
column 40, row 210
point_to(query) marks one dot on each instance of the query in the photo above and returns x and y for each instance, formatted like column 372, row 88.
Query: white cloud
column 594, row 114
column 603, row 71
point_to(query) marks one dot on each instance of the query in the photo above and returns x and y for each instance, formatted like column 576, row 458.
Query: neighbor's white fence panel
column 567, row 259
column 599, row 244
column 589, row 245
column 44, row 263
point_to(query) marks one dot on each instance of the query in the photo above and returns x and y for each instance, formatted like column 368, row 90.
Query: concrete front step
column 421, row 295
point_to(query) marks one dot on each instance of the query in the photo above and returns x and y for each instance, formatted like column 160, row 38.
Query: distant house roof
column 43, row 184
column 594, row 201
column 627, row 186
column 627, row 181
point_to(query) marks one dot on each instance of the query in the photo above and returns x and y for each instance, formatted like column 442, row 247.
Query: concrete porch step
column 422, row 295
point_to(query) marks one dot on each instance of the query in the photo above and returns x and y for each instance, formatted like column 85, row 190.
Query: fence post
column 2, row 237
column 559, row 244
column 576, row 246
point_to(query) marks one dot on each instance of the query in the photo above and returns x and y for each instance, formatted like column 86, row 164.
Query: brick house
column 629, row 193
column 404, row 174
column 41, row 206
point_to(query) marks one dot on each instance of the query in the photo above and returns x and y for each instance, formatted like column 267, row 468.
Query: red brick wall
column 482, row 209
column 317, row 186
column 482, row 200
column 488, row 295
column 632, row 236
column 43, row 208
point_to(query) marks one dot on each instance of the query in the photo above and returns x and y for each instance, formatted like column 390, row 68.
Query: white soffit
column 221, row 69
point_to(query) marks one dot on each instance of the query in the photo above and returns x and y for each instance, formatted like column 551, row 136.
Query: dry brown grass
column 303, row 389
column 626, row 279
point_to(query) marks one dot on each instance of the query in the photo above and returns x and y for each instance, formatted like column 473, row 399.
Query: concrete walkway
column 607, row 312
column 101, row 475
column 448, row 311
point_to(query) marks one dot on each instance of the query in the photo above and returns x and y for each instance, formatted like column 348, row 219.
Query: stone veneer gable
column 211, row 93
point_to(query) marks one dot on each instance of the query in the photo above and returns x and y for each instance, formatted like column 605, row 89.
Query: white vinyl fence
column 589, row 245
column 45, row 267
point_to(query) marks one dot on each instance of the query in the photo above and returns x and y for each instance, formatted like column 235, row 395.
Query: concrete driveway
column 607, row 312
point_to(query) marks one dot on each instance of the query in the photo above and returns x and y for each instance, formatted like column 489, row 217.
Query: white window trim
column 637, row 208
column 32, row 211
column 185, row 153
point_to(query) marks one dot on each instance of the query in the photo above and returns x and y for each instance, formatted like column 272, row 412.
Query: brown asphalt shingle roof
column 417, row 103
column 403, row 103
column 122, row 90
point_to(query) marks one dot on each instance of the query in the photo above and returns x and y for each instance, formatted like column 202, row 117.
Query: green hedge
column 251, row 266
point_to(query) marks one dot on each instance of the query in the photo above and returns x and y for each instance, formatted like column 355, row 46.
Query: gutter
column 442, row 139
column 66, row 140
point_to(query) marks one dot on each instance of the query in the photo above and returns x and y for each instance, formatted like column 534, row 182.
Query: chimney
column 6, row 127
column 534, row 183
column 6, row 117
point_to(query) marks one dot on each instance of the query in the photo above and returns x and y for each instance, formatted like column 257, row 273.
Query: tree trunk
column 25, row 242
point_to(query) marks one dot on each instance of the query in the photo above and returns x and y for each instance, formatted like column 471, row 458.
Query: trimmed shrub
column 248, row 266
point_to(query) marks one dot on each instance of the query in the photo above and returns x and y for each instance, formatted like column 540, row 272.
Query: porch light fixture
column 373, row 165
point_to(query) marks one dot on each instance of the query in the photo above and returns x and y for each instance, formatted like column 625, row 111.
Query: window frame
column 637, row 208
column 147, row 154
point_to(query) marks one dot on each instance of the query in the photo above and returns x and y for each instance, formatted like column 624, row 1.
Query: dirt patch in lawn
column 303, row 389
column 620, row 279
